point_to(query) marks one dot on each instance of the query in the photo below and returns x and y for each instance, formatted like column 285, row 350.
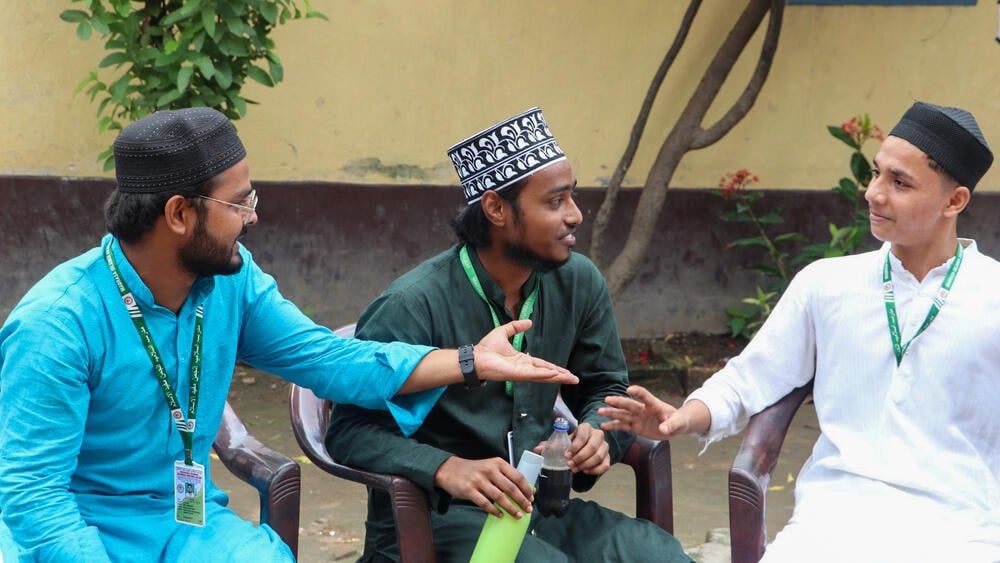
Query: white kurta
column 907, row 465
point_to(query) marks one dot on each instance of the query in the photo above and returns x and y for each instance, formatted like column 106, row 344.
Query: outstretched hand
column 642, row 414
column 497, row 360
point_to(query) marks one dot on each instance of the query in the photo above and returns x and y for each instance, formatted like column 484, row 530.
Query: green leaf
column 102, row 124
column 223, row 75
column 84, row 30
column 790, row 237
column 171, row 46
column 270, row 12
column 240, row 105
column 97, row 88
column 236, row 26
column 114, row 59
column 118, row 88
column 260, row 75
column 277, row 71
column 199, row 41
column 91, row 77
column 74, row 16
column 842, row 135
column 184, row 78
column 208, row 20
column 755, row 241
column 204, row 64
column 860, row 168
column 166, row 99
column 100, row 26
column 848, row 186
column 736, row 325
column 734, row 216
column 188, row 9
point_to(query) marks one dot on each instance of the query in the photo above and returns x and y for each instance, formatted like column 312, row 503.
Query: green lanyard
column 898, row 347
column 186, row 428
column 526, row 308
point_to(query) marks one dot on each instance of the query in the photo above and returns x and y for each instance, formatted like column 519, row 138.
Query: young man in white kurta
column 907, row 465
column 908, row 452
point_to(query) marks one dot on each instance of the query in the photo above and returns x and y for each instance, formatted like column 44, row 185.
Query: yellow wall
column 401, row 81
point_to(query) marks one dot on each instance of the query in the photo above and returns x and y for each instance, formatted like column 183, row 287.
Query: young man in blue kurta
column 90, row 449
column 515, row 260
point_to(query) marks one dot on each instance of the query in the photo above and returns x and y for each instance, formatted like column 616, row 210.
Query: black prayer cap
column 951, row 137
column 173, row 149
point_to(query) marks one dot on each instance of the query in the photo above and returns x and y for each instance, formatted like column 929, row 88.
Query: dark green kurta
column 434, row 304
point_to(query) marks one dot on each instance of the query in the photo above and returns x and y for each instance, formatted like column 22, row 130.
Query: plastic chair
column 276, row 477
column 650, row 460
column 751, row 473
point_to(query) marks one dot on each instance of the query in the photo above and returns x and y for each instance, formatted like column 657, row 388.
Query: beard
column 205, row 256
column 525, row 257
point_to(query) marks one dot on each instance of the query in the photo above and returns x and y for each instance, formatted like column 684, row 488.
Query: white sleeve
column 781, row 357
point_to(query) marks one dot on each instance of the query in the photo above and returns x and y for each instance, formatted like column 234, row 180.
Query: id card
column 189, row 493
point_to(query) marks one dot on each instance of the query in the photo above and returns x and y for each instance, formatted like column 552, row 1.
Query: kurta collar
column 199, row 291
column 899, row 271
column 496, row 295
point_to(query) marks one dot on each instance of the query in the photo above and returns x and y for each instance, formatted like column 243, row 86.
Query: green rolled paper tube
column 501, row 538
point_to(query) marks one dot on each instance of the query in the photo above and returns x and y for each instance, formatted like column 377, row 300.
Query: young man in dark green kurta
column 515, row 260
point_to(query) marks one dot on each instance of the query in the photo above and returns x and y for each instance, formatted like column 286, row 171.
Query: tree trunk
column 603, row 218
column 688, row 134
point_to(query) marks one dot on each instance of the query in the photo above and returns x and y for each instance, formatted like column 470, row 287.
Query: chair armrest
column 654, row 499
column 410, row 506
column 276, row 477
column 751, row 473
column 650, row 460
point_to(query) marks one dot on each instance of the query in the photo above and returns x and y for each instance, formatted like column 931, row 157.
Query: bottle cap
column 560, row 424
column 530, row 465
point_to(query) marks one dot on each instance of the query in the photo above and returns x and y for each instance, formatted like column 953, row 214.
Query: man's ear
column 180, row 215
column 957, row 201
column 496, row 208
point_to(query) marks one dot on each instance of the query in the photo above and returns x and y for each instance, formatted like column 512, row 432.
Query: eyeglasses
column 247, row 210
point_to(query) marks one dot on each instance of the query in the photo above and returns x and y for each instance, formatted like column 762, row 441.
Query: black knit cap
column 951, row 137
column 173, row 149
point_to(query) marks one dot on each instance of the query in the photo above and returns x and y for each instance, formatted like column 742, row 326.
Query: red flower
column 860, row 128
column 734, row 183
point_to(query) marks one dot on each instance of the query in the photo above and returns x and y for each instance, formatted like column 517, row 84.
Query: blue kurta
column 88, row 446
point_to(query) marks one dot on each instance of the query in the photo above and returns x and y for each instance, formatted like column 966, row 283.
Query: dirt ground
column 333, row 510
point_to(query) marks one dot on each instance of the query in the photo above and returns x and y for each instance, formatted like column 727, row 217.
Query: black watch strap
column 467, row 362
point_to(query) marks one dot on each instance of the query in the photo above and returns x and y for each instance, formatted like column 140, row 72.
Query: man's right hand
column 485, row 481
column 645, row 415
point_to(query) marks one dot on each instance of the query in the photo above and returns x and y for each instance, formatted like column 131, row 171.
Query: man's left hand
column 497, row 360
column 588, row 451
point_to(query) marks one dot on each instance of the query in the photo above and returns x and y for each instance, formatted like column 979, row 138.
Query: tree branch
column 681, row 138
column 749, row 95
column 603, row 218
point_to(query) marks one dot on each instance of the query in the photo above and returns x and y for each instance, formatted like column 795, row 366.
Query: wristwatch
column 467, row 362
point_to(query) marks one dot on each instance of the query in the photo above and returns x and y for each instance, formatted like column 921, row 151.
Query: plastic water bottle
column 552, row 497
column 501, row 538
